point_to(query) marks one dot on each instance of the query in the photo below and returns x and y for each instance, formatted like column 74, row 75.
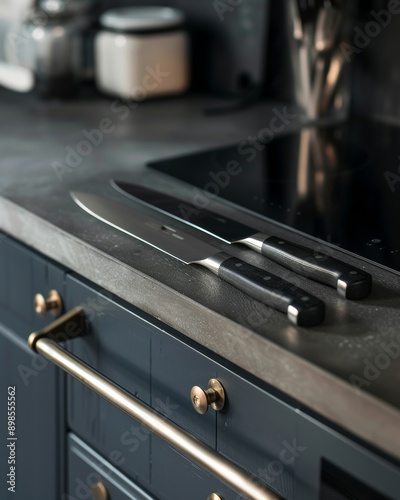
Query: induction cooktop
column 332, row 184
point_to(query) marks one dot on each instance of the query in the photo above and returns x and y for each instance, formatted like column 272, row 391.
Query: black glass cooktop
column 336, row 184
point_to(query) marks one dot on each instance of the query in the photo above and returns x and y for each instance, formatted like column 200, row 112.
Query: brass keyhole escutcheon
column 52, row 304
column 213, row 396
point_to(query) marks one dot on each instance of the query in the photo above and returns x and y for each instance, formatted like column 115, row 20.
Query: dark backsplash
column 377, row 76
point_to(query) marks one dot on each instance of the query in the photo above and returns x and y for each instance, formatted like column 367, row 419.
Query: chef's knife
column 350, row 282
column 301, row 308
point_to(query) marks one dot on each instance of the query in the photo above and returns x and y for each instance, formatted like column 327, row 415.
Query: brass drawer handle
column 213, row 396
column 214, row 496
column 52, row 304
column 72, row 325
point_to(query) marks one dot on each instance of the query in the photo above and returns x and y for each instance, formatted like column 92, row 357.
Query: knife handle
column 350, row 282
column 301, row 308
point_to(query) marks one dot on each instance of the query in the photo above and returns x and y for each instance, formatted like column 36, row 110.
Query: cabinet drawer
column 86, row 468
column 23, row 274
column 176, row 478
column 254, row 429
column 176, row 368
column 259, row 432
column 117, row 344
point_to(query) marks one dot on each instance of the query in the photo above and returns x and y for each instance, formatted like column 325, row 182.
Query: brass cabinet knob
column 213, row 396
column 214, row 496
column 99, row 492
column 52, row 304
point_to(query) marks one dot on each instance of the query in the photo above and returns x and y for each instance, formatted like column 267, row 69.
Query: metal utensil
column 329, row 21
column 302, row 308
column 303, row 14
column 332, row 81
column 350, row 282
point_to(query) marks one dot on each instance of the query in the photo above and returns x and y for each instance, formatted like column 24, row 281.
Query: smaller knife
column 350, row 282
column 302, row 308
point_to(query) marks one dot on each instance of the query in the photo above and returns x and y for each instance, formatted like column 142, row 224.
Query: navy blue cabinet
column 258, row 431
column 251, row 430
column 70, row 440
column 88, row 472
column 176, row 368
column 117, row 344
column 176, row 478
column 39, row 385
column 324, row 449
column 39, row 433
column 22, row 275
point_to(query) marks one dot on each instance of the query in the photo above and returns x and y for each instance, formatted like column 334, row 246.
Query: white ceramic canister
column 142, row 52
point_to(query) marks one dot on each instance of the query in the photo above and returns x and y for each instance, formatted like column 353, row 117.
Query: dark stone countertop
column 313, row 366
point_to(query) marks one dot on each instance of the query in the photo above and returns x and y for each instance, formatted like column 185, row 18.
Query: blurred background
column 236, row 47
column 242, row 47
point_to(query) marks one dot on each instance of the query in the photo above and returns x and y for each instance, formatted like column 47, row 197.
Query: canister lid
column 142, row 19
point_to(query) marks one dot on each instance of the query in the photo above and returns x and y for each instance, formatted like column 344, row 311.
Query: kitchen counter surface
column 315, row 367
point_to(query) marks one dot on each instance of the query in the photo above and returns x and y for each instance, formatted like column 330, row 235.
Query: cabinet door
column 176, row 368
column 87, row 470
column 117, row 344
column 23, row 274
column 39, row 429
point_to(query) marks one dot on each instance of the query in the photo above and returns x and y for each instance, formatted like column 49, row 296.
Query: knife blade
column 302, row 308
column 351, row 283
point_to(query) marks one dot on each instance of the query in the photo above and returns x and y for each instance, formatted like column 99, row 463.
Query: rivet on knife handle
column 350, row 282
column 302, row 308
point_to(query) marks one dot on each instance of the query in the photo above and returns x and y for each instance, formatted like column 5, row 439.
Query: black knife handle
column 350, row 282
column 302, row 308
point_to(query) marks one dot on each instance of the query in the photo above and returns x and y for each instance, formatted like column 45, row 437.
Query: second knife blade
column 350, row 282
